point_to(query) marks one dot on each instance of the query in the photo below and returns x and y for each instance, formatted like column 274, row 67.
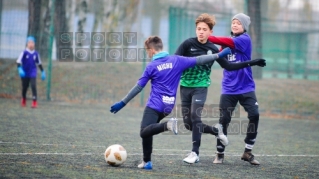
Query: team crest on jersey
column 168, row 100
column 231, row 57
column 27, row 56
column 34, row 57
column 209, row 52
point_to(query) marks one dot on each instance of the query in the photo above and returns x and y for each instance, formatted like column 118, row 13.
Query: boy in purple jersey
column 27, row 69
column 238, row 86
column 164, row 72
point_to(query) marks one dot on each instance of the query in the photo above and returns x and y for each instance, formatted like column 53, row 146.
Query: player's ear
column 153, row 51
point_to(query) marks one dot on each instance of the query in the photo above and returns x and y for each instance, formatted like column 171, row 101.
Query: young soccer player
column 238, row 86
column 27, row 69
column 164, row 72
column 195, row 81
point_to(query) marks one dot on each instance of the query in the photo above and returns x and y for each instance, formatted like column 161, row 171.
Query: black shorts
column 192, row 95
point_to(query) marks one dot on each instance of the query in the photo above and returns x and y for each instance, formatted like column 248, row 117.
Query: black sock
column 146, row 159
column 196, row 136
column 247, row 150
column 196, row 151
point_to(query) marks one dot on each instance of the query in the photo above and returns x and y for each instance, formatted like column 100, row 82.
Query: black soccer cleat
column 249, row 157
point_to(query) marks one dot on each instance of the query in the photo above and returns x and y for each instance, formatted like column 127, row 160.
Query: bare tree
column 98, row 14
column 308, row 10
column 105, row 14
column 82, row 10
column 60, row 21
column 71, row 11
column 109, row 13
column 153, row 10
column 0, row 16
column 45, row 30
column 129, row 15
column 274, row 5
column 39, row 24
column 254, row 11
column 34, row 25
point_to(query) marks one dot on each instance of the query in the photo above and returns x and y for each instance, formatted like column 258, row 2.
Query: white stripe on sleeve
column 19, row 60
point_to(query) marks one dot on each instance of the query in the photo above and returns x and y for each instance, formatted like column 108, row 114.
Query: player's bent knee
column 142, row 133
column 254, row 115
column 196, row 118
column 188, row 127
column 224, row 120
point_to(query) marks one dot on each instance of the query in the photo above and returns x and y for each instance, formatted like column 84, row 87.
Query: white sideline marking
column 139, row 154
column 137, row 149
column 69, row 145
column 47, row 154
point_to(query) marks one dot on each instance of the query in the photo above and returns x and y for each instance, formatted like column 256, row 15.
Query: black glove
column 259, row 62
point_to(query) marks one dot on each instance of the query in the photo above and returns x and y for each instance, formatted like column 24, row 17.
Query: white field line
column 178, row 152
column 65, row 145
column 139, row 154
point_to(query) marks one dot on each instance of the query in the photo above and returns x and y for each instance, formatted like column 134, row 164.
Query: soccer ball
column 115, row 155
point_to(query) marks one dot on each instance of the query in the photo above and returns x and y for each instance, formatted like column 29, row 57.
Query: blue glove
column 117, row 106
column 226, row 51
column 21, row 72
column 43, row 75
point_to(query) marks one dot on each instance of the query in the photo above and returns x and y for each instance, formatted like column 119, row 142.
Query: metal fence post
column 50, row 50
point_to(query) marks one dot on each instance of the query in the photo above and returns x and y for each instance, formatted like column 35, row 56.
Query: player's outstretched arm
column 223, row 41
column 204, row 59
column 236, row 66
column 130, row 95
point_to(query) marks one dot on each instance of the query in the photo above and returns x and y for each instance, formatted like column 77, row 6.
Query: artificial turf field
column 59, row 140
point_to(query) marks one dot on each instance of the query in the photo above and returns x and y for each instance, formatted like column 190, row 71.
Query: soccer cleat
column 23, row 102
column 141, row 165
column 249, row 157
column 191, row 158
column 172, row 125
column 221, row 136
column 34, row 104
column 219, row 158
column 146, row 166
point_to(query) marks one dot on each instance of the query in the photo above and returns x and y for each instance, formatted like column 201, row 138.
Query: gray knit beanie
column 244, row 20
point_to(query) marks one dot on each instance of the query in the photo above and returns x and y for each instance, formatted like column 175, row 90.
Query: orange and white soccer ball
column 115, row 155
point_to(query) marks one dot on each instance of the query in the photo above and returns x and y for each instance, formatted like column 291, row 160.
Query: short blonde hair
column 207, row 19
